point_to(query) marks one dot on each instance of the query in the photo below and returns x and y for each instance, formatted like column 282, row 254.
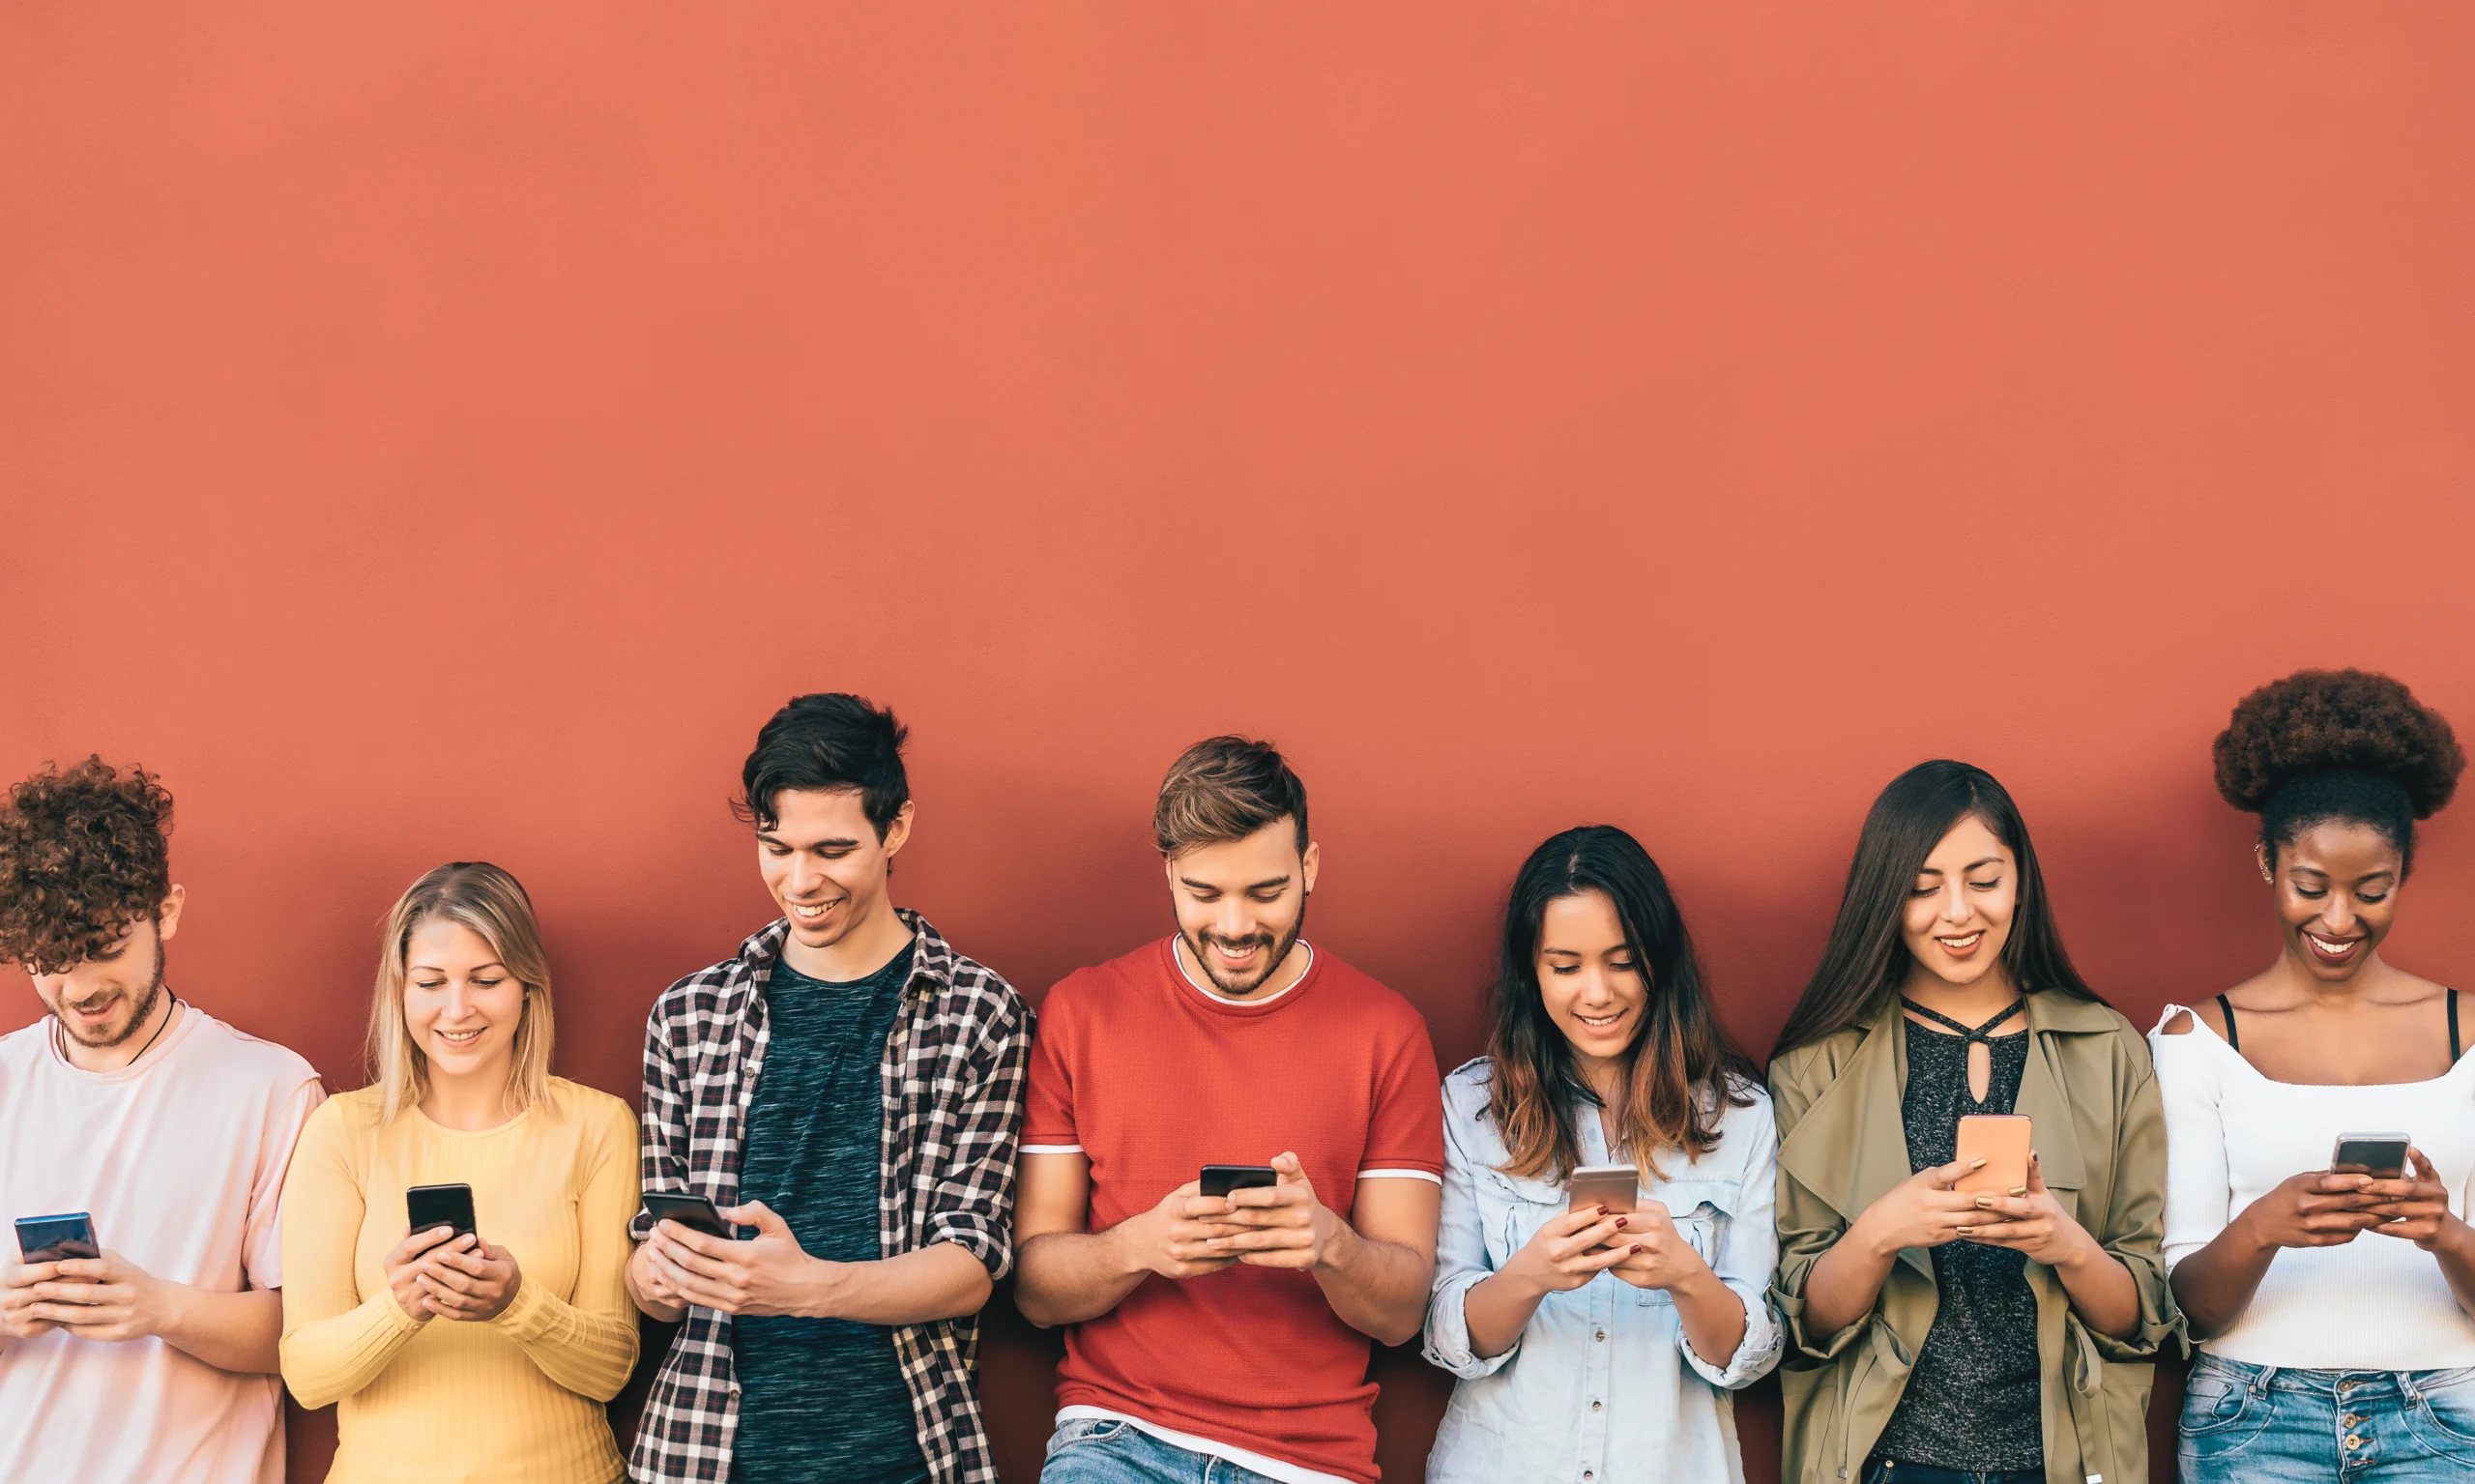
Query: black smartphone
column 694, row 1213
column 56, row 1239
column 429, row 1206
column 1220, row 1180
column 2382, row 1156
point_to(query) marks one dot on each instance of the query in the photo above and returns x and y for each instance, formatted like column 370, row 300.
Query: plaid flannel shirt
column 955, row 1067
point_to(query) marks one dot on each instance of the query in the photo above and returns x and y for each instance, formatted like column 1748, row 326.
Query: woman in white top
column 2336, row 1311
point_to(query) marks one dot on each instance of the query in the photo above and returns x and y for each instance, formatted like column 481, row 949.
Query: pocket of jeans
column 1083, row 1430
column 2215, row 1400
column 2445, row 1400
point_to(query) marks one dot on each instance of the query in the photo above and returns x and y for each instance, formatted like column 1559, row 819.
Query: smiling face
column 106, row 1000
column 461, row 1005
column 2337, row 896
column 1959, row 909
column 825, row 865
column 1241, row 904
column 1589, row 977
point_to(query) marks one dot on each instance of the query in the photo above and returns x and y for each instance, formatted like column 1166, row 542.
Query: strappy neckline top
column 1984, row 1035
column 2235, row 1040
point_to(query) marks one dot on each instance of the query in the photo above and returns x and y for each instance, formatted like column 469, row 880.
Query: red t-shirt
column 1151, row 1079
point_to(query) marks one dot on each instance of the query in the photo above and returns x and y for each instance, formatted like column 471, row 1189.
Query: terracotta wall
column 446, row 429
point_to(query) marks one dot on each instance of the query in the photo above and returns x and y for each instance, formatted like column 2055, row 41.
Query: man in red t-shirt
column 1226, row 1335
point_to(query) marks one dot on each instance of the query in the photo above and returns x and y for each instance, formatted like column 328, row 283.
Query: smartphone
column 2382, row 1156
column 429, row 1207
column 2002, row 1140
column 57, row 1238
column 694, row 1213
column 1220, row 1180
column 1617, row 1187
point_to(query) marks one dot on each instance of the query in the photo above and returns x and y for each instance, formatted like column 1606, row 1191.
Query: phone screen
column 2382, row 1156
column 694, row 1213
column 56, row 1239
column 1220, row 1180
column 429, row 1207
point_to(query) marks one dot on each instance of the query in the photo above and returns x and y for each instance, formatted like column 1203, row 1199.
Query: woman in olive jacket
column 1933, row 1334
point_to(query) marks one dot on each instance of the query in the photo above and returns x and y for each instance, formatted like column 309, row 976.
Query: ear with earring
column 2261, row 854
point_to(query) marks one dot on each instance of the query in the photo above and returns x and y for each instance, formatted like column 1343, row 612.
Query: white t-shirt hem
column 1268, row 1468
column 1209, row 992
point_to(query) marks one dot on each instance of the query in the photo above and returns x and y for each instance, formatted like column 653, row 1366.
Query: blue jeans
column 1092, row 1450
column 1885, row 1470
column 2261, row 1425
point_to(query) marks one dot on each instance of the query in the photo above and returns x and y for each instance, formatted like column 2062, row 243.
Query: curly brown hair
column 83, row 856
column 2345, row 744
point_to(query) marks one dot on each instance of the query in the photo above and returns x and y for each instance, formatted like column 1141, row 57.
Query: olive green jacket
column 2101, row 1144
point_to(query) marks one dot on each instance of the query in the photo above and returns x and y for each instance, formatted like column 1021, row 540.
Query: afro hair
column 2329, row 720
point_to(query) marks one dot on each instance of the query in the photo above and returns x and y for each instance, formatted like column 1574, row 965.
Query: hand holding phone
column 1615, row 1187
column 2382, row 1156
column 56, row 1239
column 693, row 1211
column 403, row 1266
column 2414, row 1206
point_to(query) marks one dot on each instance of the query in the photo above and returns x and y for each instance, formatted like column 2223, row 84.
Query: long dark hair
column 1861, row 970
column 1681, row 1068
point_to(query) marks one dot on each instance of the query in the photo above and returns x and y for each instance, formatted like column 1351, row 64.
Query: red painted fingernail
column 1619, row 1221
column 1602, row 1211
column 1637, row 1246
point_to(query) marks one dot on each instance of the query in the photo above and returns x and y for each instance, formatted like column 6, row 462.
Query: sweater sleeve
column 334, row 1342
column 587, row 1342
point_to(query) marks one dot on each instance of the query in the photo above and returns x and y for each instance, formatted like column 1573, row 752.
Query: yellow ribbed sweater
column 518, row 1397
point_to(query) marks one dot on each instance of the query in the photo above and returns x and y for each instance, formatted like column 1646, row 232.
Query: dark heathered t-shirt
column 1976, row 1398
column 822, row 1398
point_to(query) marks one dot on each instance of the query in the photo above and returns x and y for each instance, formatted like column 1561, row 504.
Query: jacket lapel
column 1852, row 1145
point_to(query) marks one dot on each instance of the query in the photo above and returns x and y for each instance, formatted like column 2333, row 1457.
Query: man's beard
column 1199, row 945
column 146, row 1002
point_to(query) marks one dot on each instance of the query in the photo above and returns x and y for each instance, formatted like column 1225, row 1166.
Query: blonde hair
column 481, row 896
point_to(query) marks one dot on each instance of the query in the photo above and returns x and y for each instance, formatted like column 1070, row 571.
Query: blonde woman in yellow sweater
column 486, row 1355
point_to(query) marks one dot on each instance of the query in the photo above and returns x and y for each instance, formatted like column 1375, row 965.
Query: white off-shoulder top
column 2232, row 1135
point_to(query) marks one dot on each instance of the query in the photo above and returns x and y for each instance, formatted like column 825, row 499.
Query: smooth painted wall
column 447, row 430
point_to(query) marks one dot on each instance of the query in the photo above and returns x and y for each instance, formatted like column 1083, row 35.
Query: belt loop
column 2261, row 1383
column 2407, row 1387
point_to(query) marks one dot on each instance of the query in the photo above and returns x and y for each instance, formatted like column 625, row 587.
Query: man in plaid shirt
column 849, row 1091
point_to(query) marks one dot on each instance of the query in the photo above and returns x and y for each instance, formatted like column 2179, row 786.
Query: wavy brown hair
column 82, row 856
column 1681, row 1070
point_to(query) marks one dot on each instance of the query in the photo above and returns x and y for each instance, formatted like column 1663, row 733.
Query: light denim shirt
column 1597, row 1390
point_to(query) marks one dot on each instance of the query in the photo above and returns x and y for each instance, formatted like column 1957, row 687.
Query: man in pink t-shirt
column 1226, row 1337
column 168, row 1129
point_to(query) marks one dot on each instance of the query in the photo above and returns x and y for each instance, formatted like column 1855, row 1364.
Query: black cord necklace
column 63, row 1050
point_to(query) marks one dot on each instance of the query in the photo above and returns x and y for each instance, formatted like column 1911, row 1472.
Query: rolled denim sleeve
column 1745, row 1259
column 1460, row 1255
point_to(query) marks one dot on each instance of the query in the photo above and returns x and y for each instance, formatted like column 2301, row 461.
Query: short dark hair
column 827, row 741
column 83, row 856
column 1226, row 788
column 2337, row 744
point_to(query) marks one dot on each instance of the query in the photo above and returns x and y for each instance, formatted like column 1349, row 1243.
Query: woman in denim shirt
column 1591, row 1345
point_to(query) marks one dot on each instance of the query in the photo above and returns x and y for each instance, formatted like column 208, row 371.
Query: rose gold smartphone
column 2002, row 1141
column 1614, row 1186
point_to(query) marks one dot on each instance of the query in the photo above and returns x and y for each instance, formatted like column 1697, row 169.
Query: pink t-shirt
column 180, row 1159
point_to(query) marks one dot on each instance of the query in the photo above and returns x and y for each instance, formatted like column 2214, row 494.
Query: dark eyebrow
column 762, row 839
column 1191, row 884
column 1927, row 870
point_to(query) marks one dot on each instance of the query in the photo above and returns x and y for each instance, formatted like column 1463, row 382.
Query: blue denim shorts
column 2258, row 1424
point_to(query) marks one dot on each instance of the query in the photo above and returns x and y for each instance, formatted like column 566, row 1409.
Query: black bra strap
column 2226, row 1007
column 1964, row 1033
column 2453, row 1028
